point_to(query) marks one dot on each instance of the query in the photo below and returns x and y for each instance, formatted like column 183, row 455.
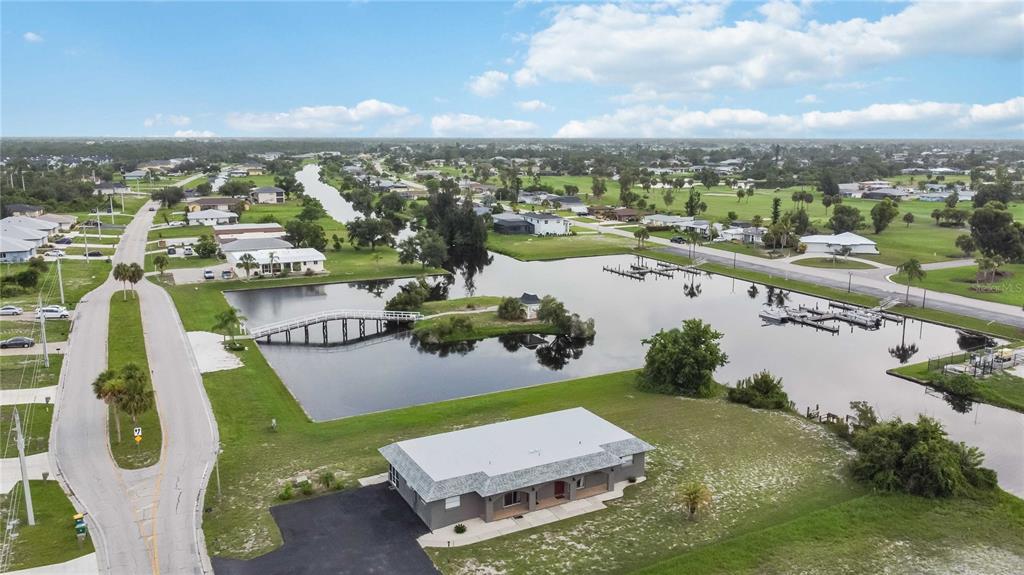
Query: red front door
column 559, row 489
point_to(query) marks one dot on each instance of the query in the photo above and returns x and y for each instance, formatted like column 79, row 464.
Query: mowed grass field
column 80, row 277
column 52, row 539
column 528, row 247
column 961, row 281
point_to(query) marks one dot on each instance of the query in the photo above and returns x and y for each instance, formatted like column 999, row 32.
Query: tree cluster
column 683, row 361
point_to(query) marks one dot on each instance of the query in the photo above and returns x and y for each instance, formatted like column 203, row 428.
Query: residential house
column 831, row 244
column 37, row 238
column 254, row 244
column 547, row 224
column 222, row 203
column 211, row 218
column 506, row 469
column 230, row 232
column 267, row 195
column 26, row 210
column 110, row 189
column 64, row 222
column 136, row 175
column 511, row 223
column 883, row 193
column 531, row 303
column 625, row 214
column 49, row 227
column 13, row 250
column 571, row 203
column 292, row 260
column 665, row 220
column 238, row 173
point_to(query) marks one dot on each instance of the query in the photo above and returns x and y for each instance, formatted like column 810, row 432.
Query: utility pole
column 20, row 440
column 22, row 181
column 111, row 198
column 42, row 331
column 60, row 281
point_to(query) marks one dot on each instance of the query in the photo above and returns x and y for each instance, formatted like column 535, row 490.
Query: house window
column 452, row 502
column 513, row 498
column 393, row 477
column 296, row 266
column 580, row 482
column 626, row 459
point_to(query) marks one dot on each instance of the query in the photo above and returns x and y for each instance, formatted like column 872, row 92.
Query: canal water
column 335, row 205
column 818, row 368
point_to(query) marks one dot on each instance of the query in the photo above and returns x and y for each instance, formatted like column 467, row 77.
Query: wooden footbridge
column 382, row 318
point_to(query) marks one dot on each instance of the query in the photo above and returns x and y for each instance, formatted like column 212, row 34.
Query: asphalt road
column 141, row 521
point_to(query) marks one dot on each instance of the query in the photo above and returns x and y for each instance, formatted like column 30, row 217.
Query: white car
column 11, row 310
column 188, row 251
column 175, row 224
column 54, row 254
column 53, row 312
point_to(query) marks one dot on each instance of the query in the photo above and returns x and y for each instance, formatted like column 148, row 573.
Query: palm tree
column 247, row 262
column 913, row 271
column 696, row 497
column 692, row 237
column 228, row 322
column 272, row 256
column 137, row 396
column 121, row 274
column 135, row 275
column 108, row 387
column 160, row 263
column 641, row 235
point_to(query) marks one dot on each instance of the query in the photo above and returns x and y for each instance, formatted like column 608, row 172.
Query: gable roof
column 500, row 457
column 211, row 214
column 268, row 190
column 30, row 223
column 843, row 239
column 21, row 232
column 216, row 201
column 529, row 298
column 8, row 244
column 252, row 244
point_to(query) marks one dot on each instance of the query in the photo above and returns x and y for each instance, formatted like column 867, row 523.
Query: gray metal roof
column 251, row 244
column 501, row 457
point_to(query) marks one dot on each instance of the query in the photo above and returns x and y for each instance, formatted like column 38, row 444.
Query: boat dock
column 641, row 269
column 878, row 310
column 817, row 318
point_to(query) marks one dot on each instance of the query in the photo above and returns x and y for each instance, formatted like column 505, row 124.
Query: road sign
column 138, row 439
column 138, row 431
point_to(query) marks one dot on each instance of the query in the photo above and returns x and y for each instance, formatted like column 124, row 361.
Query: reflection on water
column 817, row 367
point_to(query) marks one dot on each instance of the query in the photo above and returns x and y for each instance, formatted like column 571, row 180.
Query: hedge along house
column 506, row 469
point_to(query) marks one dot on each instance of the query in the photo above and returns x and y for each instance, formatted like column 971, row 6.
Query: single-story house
column 64, row 222
column 222, row 203
column 830, row 244
column 24, row 210
column 32, row 223
column 211, row 218
column 136, row 174
column 481, row 210
column 874, row 184
column 625, row 214
column 505, row 469
column 238, row 173
column 37, row 238
column 665, row 220
column 547, row 224
column 754, row 235
column 531, row 303
column 110, row 188
column 13, row 250
column 294, row 260
column 228, row 232
column 571, row 203
column 254, row 244
column 883, row 193
column 511, row 223
column 267, row 195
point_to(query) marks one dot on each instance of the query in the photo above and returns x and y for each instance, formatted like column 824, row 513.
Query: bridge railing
column 332, row 315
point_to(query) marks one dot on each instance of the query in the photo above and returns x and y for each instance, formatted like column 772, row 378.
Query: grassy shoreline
column 485, row 324
column 1003, row 390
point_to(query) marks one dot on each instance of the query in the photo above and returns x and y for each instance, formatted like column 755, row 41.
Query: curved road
column 147, row 520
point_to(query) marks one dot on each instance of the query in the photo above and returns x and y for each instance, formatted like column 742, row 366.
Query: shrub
column 286, row 493
column 959, row 384
column 511, row 309
column 327, row 479
column 306, row 487
column 460, row 528
column 761, row 391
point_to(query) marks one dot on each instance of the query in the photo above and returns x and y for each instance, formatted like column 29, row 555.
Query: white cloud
column 446, row 125
column 534, row 106
column 689, row 46
column 858, row 85
column 911, row 118
column 400, row 126
column 488, row 84
column 317, row 119
column 32, row 37
column 808, row 99
column 166, row 120
column 194, row 134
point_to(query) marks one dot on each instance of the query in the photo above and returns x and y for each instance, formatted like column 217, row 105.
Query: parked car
column 225, row 275
column 53, row 312
column 188, row 251
column 171, row 251
column 678, row 240
column 208, row 275
column 152, row 209
column 11, row 310
column 54, row 254
column 64, row 241
column 18, row 341
column 176, row 224
column 94, row 254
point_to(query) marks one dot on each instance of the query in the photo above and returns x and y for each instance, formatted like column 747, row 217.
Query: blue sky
column 530, row 69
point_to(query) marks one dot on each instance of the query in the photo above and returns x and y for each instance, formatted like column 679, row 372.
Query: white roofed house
column 64, row 222
column 831, row 244
column 275, row 261
column 211, row 218
column 32, row 224
column 13, row 250
column 37, row 238
column 506, row 469
column 665, row 220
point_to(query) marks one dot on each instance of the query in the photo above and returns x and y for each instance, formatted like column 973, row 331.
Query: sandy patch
column 210, row 353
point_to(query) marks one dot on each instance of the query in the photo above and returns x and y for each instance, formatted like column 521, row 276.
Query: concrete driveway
column 365, row 530
column 195, row 275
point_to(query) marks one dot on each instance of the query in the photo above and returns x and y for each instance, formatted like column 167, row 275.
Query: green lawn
column 79, row 250
column 460, row 304
column 484, row 325
column 961, row 281
column 80, row 277
column 1003, row 390
column 25, row 371
column 257, row 181
column 127, row 344
column 56, row 329
column 93, row 240
column 955, row 320
column 839, row 264
column 52, row 539
column 527, row 247
column 924, row 241
column 35, row 425
column 180, row 232
column 174, row 263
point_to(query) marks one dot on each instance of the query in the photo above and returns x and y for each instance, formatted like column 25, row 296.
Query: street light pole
column 60, row 281
column 42, row 331
column 20, row 440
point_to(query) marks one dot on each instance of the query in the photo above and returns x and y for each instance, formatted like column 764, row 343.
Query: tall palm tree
column 108, row 387
column 696, row 498
column 121, row 274
column 641, row 235
column 229, row 322
column 247, row 262
column 135, row 275
column 137, row 396
column 913, row 271
column 160, row 263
